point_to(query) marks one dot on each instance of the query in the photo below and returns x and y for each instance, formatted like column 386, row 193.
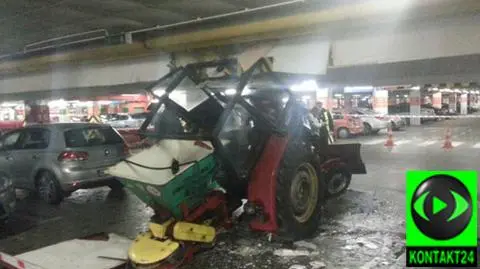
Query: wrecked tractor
column 218, row 139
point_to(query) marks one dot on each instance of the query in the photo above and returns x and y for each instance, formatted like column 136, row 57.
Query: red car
column 10, row 125
column 345, row 125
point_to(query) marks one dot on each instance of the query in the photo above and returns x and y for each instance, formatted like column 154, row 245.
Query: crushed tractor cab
column 219, row 139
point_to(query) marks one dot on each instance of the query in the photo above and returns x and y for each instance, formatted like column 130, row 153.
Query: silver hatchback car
column 58, row 159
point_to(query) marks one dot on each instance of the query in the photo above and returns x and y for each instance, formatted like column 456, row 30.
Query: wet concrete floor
column 365, row 228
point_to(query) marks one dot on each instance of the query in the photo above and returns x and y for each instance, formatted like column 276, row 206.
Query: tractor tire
column 300, row 195
column 337, row 182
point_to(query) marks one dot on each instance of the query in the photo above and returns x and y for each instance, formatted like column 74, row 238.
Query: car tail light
column 379, row 117
column 73, row 156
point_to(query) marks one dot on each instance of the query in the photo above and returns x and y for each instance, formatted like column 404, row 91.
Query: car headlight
column 5, row 183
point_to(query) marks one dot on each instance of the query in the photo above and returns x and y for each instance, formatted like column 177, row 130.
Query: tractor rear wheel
column 300, row 195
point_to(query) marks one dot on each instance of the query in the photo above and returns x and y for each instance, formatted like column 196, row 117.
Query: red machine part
column 331, row 164
column 202, row 144
column 263, row 183
column 214, row 202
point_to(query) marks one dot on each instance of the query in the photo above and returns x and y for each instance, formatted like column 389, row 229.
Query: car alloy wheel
column 49, row 189
column 46, row 188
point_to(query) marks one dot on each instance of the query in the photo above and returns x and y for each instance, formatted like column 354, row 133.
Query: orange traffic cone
column 389, row 143
column 447, row 145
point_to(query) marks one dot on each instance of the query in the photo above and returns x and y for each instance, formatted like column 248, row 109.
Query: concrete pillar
column 415, row 101
column 95, row 109
column 128, row 38
column 452, row 101
column 348, row 101
column 37, row 112
column 380, row 100
column 464, row 104
column 326, row 97
column 437, row 100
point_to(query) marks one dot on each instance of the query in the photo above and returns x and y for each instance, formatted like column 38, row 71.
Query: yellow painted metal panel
column 193, row 232
column 147, row 250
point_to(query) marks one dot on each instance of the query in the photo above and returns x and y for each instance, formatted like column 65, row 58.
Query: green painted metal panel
column 189, row 187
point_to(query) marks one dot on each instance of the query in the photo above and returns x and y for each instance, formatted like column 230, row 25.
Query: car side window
column 11, row 141
column 35, row 139
column 337, row 116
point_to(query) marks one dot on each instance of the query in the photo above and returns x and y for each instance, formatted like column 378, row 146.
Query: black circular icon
column 446, row 205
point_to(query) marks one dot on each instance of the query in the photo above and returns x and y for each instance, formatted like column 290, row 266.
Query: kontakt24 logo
column 441, row 218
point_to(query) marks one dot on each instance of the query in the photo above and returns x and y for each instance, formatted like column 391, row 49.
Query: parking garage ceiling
column 28, row 21
column 24, row 23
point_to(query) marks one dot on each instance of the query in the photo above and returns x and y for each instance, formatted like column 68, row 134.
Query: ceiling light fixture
column 230, row 91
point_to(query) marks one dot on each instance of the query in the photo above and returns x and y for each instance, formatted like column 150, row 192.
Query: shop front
column 12, row 111
column 79, row 110
column 356, row 97
column 399, row 101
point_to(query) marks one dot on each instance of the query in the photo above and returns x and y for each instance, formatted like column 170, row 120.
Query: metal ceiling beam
column 300, row 24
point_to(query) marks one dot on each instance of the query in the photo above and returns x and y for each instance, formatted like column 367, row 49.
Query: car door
column 32, row 149
column 10, row 143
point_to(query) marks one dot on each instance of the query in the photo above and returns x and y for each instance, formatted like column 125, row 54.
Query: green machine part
column 189, row 187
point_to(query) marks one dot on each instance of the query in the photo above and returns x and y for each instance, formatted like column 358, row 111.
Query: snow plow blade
column 349, row 154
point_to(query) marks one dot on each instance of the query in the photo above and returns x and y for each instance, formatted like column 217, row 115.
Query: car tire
column 393, row 126
column 48, row 188
column 343, row 133
column 298, row 216
column 367, row 129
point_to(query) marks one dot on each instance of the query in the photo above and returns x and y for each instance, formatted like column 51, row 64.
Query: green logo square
column 441, row 209
column 441, row 219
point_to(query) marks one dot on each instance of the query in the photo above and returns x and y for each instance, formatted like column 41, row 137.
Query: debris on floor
column 291, row 253
column 305, row 245
column 317, row 265
column 298, row 266
column 351, row 235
